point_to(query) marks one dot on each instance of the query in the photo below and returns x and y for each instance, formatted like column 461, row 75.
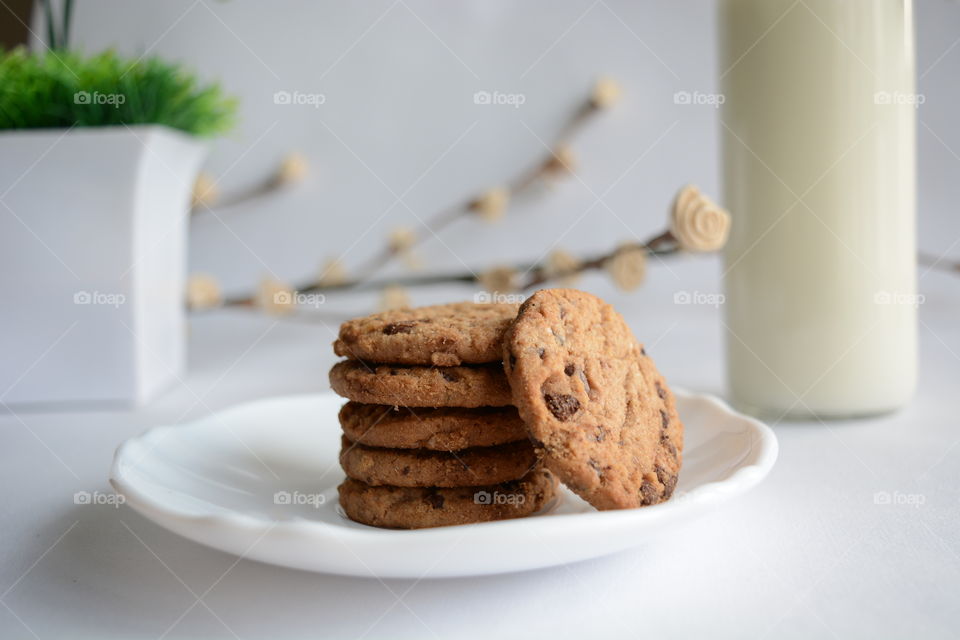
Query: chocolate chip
column 664, row 419
column 599, row 434
column 643, row 351
column 570, row 369
column 661, row 391
column 450, row 377
column 405, row 471
column 648, row 493
column 405, row 326
column 435, row 500
column 661, row 474
column 668, row 490
column 541, row 353
column 596, row 467
column 668, row 480
column 562, row 406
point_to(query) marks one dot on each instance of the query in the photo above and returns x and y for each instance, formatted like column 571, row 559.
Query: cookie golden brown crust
column 413, row 386
column 421, row 507
column 439, row 429
column 443, row 335
column 594, row 404
column 424, row 468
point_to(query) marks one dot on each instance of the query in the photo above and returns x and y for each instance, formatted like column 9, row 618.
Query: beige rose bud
column 491, row 205
column 205, row 191
column 332, row 273
column 275, row 297
column 499, row 280
column 401, row 239
column 562, row 267
column 697, row 222
column 203, row 292
column 562, row 162
column 394, row 297
column 411, row 260
column 293, row 168
column 605, row 93
column 627, row 267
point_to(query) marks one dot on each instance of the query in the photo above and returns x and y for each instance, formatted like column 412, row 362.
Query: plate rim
column 765, row 450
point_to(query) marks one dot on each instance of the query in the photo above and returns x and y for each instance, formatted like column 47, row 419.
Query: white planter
column 92, row 262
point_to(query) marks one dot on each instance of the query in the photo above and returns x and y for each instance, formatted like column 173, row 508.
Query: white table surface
column 807, row 554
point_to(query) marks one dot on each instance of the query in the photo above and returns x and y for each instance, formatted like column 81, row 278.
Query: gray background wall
column 399, row 118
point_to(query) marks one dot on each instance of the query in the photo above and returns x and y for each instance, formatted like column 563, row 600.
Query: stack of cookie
column 430, row 436
column 466, row 413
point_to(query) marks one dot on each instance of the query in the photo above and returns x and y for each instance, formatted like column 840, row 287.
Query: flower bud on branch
column 491, row 205
column 698, row 221
column 293, row 168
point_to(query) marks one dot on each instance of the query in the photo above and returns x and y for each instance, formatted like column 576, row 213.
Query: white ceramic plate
column 259, row 480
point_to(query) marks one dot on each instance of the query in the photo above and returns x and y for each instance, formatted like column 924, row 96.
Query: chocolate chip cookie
column 420, row 507
column 438, row 429
column 424, row 468
column 444, row 335
column 413, row 386
column 597, row 409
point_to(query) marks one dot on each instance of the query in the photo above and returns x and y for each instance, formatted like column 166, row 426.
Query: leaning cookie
column 412, row 386
column 423, row 468
column 444, row 335
column 595, row 405
column 439, row 429
column 421, row 507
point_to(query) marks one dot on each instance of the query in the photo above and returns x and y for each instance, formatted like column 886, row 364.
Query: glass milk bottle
column 818, row 135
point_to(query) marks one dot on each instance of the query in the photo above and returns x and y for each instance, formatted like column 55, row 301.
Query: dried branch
column 696, row 224
column 525, row 276
column 492, row 204
column 206, row 194
column 937, row 262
